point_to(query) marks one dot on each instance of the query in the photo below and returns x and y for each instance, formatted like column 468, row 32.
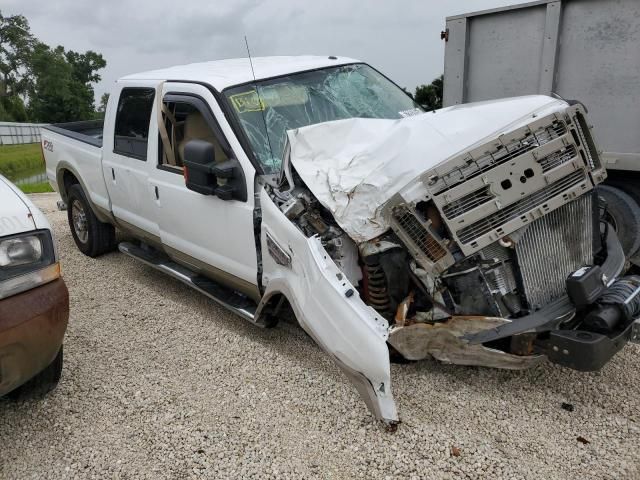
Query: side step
column 228, row 298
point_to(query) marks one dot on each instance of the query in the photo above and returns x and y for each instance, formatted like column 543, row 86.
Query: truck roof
column 224, row 73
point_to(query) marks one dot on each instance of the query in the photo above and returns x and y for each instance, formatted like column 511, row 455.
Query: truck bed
column 88, row 131
column 76, row 147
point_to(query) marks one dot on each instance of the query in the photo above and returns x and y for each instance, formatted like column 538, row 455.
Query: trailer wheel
column 624, row 214
column 92, row 237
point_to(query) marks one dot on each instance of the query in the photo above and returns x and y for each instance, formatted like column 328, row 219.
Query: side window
column 132, row 122
column 184, row 122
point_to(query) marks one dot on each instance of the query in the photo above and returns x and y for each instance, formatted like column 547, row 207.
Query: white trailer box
column 587, row 50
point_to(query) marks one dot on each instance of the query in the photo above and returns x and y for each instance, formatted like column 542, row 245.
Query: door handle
column 113, row 174
column 155, row 188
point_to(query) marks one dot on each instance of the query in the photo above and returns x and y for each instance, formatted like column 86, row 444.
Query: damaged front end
column 496, row 234
column 496, row 256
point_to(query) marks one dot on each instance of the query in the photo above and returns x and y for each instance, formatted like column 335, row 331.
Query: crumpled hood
column 15, row 215
column 355, row 166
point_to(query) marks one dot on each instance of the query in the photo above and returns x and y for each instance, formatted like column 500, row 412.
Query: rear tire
column 92, row 237
column 43, row 382
column 624, row 214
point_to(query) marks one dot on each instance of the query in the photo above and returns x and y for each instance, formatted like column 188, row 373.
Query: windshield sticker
column 410, row 113
column 272, row 96
column 247, row 102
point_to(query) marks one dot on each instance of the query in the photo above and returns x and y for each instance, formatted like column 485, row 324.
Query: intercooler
column 554, row 246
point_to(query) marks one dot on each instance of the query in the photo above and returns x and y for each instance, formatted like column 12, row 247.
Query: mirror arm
column 225, row 169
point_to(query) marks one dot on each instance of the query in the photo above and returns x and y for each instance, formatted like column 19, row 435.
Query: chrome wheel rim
column 79, row 219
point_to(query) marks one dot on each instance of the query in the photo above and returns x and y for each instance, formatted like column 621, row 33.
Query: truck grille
column 500, row 155
column 468, row 202
column 554, row 246
column 557, row 158
column 491, row 222
column 418, row 235
column 590, row 150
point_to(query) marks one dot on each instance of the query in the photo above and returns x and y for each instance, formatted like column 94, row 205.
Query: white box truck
column 580, row 50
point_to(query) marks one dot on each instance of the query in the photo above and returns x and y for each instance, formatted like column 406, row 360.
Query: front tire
column 92, row 237
column 43, row 382
column 624, row 214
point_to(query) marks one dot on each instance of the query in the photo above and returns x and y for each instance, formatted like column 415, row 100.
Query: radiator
column 554, row 246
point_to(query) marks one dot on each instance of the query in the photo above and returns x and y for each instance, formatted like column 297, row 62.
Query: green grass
column 41, row 187
column 16, row 159
column 23, row 161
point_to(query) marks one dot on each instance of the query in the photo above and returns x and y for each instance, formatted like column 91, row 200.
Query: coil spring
column 377, row 293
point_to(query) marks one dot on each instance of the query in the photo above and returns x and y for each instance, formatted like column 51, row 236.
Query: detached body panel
column 328, row 307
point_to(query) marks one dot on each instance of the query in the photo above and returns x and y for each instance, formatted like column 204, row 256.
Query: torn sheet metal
column 443, row 342
column 355, row 166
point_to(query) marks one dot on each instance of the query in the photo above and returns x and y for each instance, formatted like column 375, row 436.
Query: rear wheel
column 43, row 382
column 92, row 237
column 624, row 214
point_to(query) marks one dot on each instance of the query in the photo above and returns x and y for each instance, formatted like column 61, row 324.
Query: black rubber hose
column 619, row 293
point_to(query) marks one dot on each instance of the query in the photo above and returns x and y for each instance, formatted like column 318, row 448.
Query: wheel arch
column 269, row 307
column 66, row 176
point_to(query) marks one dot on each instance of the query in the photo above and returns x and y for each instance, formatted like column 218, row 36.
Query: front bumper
column 582, row 350
column 32, row 327
column 577, row 349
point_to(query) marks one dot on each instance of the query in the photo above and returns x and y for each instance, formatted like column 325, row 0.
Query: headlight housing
column 26, row 261
column 20, row 251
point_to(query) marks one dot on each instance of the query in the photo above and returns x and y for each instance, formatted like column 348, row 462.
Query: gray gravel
column 160, row 382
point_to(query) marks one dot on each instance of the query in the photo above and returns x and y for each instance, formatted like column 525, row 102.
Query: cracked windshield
column 294, row 101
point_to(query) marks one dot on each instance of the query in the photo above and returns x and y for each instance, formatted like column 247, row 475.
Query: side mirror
column 203, row 175
column 199, row 159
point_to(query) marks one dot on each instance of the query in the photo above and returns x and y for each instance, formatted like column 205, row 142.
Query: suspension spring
column 377, row 294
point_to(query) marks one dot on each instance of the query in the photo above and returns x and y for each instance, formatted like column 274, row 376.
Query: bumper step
column 228, row 298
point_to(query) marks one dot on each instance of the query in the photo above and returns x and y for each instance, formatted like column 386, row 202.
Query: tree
column 50, row 97
column 16, row 46
column 84, row 71
column 430, row 96
column 12, row 109
column 102, row 108
column 62, row 90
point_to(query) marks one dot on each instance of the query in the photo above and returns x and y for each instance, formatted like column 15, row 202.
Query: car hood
column 15, row 214
column 355, row 166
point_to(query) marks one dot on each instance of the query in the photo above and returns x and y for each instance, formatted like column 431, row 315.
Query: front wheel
column 92, row 237
column 624, row 214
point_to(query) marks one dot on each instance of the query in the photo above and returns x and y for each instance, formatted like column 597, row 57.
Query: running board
column 228, row 298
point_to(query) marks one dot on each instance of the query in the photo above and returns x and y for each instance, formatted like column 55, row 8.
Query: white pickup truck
column 472, row 234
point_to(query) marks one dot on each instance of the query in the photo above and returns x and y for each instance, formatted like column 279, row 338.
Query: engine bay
column 482, row 241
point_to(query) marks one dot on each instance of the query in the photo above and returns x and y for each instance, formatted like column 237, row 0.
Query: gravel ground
column 160, row 382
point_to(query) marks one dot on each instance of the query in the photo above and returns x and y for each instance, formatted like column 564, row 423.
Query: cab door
column 128, row 155
column 210, row 235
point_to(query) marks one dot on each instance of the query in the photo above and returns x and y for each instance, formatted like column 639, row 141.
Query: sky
column 400, row 38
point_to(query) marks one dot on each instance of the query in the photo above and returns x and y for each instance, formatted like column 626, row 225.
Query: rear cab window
column 132, row 122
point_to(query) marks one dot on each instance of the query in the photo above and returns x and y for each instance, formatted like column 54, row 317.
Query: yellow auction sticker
column 247, row 102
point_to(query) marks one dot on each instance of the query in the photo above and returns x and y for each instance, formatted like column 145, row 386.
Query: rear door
column 211, row 235
column 126, row 164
